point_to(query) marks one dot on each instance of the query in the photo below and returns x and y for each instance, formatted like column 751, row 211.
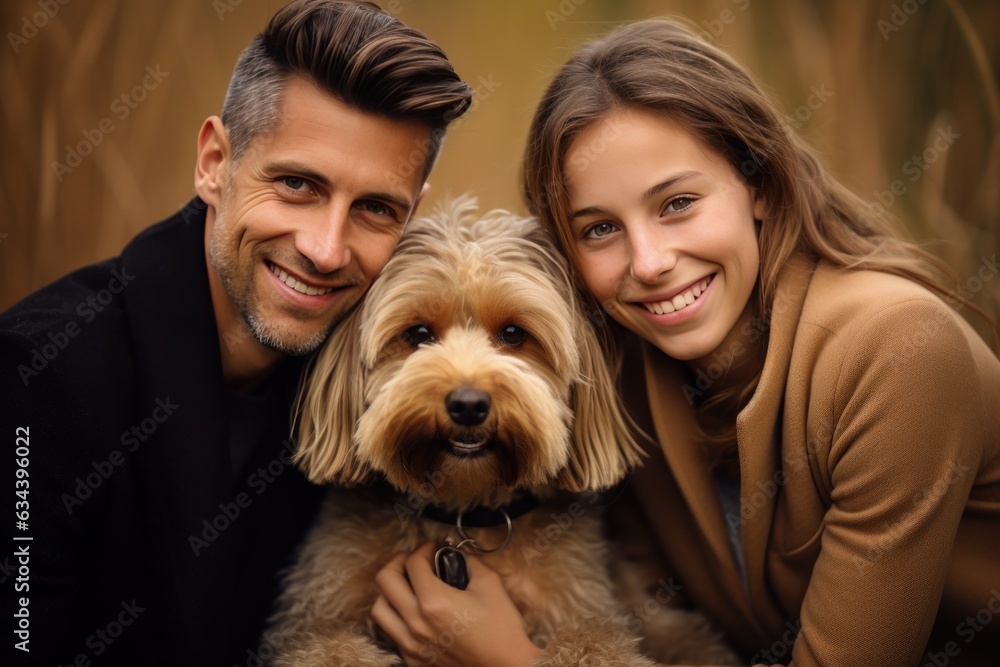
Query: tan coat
column 870, row 480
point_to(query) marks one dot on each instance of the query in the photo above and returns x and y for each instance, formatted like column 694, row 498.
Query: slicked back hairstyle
column 358, row 53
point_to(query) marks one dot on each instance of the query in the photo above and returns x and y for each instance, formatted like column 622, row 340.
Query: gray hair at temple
column 358, row 53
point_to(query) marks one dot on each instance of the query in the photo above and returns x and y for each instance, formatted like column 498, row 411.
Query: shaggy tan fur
column 374, row 408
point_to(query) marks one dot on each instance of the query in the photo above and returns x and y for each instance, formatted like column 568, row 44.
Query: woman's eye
column 512, row 335
column 600, row 230
column 679, row 205
column 418, row 335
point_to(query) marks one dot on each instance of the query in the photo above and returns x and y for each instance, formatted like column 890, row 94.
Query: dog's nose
column 468, row 406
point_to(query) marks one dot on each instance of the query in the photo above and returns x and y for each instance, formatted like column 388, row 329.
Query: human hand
column 434, row 624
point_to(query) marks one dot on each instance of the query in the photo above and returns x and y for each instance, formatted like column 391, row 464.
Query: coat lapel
column 691, row 532
column 759, row 434
column 676, row 431
column 759, row 438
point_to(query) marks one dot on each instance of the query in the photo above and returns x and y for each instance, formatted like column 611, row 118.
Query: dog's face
column 473, row 362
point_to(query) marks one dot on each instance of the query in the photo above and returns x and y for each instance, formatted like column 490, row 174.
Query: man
column 151, row 393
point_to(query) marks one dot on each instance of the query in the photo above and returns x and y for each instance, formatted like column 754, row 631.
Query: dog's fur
column 375, row 408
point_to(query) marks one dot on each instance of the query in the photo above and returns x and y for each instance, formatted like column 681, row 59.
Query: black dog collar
column 484, row 517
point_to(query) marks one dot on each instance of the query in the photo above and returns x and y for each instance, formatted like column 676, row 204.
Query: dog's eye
column 511, row 334
column 418, row 335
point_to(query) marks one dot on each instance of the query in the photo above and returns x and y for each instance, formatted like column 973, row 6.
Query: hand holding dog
column 433, row 623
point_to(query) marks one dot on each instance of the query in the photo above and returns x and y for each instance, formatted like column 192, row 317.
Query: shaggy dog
column 469, row 380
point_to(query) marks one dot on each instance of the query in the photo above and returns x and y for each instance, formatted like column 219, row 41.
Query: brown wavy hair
column 355, row 51
column 663, row 66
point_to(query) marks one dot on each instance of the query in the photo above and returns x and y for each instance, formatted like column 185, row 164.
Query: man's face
column 309, row 215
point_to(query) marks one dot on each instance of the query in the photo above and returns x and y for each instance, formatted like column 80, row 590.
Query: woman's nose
column 651, row 256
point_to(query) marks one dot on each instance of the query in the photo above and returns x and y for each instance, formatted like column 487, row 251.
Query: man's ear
column 420, row 197
column 213, row 160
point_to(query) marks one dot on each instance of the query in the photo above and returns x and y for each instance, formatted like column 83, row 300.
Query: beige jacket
column 870, row 481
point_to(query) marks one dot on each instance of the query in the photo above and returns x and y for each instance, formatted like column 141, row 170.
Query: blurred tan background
column 102, row 101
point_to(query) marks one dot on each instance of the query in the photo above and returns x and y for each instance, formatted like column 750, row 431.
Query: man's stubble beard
column 239, row 287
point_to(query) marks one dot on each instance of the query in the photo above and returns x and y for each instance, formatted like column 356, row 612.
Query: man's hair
column 358, row 53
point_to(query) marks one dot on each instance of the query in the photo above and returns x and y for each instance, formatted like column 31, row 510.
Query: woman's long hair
column 662, row 66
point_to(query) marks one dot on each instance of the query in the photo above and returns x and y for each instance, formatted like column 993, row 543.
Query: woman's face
column 664, row 232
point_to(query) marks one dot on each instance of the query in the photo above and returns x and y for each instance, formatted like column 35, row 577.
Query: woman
column 826, row 476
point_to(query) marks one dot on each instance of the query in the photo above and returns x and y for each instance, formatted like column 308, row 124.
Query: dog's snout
column 468, row 406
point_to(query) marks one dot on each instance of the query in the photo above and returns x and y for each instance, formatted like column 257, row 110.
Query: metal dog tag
column 451, row 568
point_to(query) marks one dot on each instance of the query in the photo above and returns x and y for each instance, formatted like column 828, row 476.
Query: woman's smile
column 664, row 231
column 679, row 301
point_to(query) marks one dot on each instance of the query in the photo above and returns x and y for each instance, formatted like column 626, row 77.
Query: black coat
column 144, row 551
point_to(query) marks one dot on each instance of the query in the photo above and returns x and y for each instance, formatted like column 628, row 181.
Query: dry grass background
column 892, row 91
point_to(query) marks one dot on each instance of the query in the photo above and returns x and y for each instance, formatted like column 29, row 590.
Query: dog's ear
column 604, row 447
column 329, row 404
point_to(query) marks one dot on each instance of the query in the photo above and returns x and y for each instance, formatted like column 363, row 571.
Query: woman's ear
column 330, row 402
column 759, row 204
column 212, row 161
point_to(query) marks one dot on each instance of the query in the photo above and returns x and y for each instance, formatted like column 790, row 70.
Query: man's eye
column 294, row 183
column 378, row 208
column 418, row 335
column 599, row 230
column 512, row 335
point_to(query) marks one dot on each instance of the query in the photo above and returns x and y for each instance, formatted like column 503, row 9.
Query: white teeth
column 680, row 301
column 295, row 284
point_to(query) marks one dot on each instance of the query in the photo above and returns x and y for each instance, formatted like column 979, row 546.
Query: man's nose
column 325, row 243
